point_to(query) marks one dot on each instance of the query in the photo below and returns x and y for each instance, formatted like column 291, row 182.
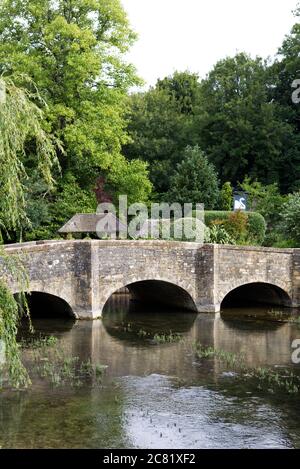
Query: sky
column 194, row 34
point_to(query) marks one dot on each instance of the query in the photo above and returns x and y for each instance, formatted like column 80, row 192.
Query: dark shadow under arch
column 256, row 294
column 135, row 322
column 44, row 305
column 159, row 292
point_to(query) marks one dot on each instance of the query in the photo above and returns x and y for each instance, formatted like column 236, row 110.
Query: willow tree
column 21, row 126
column 75, row 53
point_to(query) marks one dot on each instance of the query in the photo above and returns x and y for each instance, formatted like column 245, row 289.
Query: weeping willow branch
column 21, row 123
column 11, row 313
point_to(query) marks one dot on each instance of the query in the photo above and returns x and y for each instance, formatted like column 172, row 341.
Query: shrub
column 286, row 243
column 265, row 200
column 291, row 217
column 226, row 196
column 218, row 235
column 195, row 180
column 49, row 217
column 237, row 226
column 256, row 227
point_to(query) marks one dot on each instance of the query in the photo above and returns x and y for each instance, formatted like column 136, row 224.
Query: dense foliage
column 197, row 140
column 11, row 312
column 194, row 180
column 241, row 116
column 161, row 126
column 291, row 217
column 231, row 116
column 244, row 227
column 73, row 53
column 226, row 196
column 20, row 125
column 20, row 122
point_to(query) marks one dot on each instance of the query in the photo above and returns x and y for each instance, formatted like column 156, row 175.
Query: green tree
column 73, row 51
column 195, row 180
column 184, row 88
column 46, row 218
column 265, row 200
column 21, row 123
column 291, row 217
column 226, row 197
column 240, row 128
column 283, row 73
column 160, row 124
column 131, row 179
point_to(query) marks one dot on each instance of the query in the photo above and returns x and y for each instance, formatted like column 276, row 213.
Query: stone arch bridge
column 84, row 274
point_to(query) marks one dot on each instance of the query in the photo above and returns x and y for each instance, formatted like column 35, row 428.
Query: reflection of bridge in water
column 115, row 341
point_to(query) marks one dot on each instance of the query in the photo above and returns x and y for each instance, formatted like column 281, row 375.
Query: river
column 151, row 393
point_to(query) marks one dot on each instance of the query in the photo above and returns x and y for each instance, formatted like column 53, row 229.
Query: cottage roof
column 91, row 223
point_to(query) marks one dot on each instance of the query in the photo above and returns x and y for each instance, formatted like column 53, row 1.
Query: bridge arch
column 47, row 305
column 157, row 292
column 256, row 293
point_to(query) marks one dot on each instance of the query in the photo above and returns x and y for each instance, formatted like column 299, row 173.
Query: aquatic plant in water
column 52, row 363
column 167, row 338
column 266, row 377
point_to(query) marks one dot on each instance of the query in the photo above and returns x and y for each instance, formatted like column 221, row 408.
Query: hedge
column 256, row 229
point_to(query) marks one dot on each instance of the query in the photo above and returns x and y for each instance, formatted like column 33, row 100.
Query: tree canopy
column 240, row 128
column 161, row 126
column 73, row 52
column 194, row 180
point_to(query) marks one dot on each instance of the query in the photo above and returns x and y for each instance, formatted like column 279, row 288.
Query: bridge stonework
column 86, row 273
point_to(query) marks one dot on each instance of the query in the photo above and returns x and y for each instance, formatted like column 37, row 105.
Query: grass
column 267, row 378
column 170, row 338
column 288, row 382
column 279, row 315
column 282, row 316
column 38, row 342
column 228, row 358
column 64, row 370
column 53, row 364
column 295, row 321
column 163, row 338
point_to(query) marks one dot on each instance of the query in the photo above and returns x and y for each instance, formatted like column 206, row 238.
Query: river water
column 152, row 394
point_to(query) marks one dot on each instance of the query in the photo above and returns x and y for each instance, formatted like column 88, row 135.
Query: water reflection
column 247, row 332
column 157, row 396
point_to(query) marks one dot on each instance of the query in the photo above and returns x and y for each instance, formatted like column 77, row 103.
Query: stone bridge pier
column 84, row 274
